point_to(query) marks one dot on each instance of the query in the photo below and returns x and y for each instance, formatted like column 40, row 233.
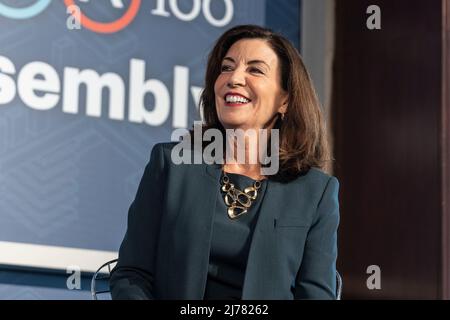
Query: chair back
column 102, row 273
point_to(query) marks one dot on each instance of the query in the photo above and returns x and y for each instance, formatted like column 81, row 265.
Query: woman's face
column 248, row 89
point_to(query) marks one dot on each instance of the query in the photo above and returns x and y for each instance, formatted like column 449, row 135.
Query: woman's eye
column 256, row 70
column 225, row 68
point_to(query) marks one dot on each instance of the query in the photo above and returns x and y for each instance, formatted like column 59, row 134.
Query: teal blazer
column 165, row 252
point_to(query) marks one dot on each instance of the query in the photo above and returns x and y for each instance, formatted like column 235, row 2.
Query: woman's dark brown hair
column 303, row 138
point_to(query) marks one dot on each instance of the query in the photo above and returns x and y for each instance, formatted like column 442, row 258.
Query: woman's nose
column 236, row 78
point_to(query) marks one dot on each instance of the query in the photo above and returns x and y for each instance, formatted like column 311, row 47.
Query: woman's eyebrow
column 229, row 59
column 255, row 61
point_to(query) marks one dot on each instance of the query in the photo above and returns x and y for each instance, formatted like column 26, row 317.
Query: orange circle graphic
column 108, row 27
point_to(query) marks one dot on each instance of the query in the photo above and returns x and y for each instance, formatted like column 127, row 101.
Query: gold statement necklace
column 238, row 201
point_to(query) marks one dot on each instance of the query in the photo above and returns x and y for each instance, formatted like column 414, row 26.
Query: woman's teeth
column 236, row 99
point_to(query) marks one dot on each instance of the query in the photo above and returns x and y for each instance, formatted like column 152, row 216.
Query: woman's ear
column 284, row 104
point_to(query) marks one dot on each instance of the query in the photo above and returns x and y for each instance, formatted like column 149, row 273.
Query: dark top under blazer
column 165, row 252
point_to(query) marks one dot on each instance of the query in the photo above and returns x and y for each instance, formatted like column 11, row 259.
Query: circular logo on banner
column 108, row 27
column 24, row 12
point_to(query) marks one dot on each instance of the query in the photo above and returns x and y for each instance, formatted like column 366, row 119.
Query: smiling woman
column 228, row 230
column 250, row 80
column 266, row 68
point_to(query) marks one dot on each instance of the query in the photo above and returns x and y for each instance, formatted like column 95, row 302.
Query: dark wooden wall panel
column 387, row 105
column 445, row 144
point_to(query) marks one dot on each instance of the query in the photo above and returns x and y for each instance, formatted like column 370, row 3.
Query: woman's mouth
column 235, row 100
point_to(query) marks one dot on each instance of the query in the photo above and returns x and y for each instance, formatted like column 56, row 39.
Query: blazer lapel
column 261, row 262
column 191, row 256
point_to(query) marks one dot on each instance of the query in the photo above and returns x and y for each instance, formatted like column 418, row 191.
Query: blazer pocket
column 290, row 222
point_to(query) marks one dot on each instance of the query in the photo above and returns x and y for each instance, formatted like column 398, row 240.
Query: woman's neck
column 244, row 160
column 251, row 171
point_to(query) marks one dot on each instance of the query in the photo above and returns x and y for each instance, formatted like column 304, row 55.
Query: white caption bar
column 26, row 255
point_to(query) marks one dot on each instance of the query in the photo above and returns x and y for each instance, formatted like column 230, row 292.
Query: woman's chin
column 235, row 119
column 234, row 124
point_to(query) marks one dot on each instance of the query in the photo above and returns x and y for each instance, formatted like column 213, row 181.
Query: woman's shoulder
column 316, row 175
column 180, row 158
column 315, row 181
column 164, row 146
column 161, row 149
